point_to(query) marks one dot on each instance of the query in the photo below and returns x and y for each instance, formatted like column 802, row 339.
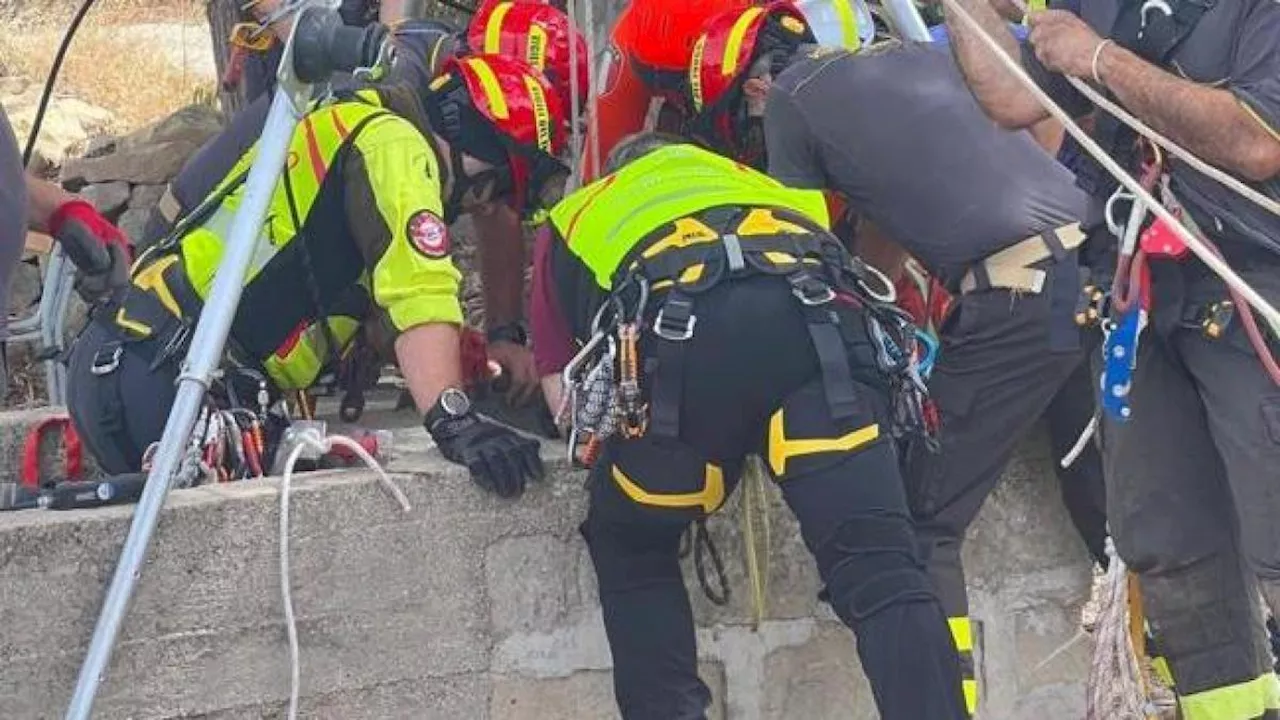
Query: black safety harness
column 825, row 279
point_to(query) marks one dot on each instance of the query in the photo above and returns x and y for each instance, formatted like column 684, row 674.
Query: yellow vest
column 603, row 222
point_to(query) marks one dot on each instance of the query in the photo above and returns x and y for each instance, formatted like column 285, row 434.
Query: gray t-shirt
column 899, row 134
column 1235, row 45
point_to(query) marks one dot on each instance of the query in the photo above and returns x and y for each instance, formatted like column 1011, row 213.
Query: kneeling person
column 355, row 236
column 744, row 328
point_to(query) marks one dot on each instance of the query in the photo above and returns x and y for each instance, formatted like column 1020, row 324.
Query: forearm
column 996, row 89
column 1210, row 122
column 502, row 265
column 429, row 360
column 553, row 391
column 43, row 198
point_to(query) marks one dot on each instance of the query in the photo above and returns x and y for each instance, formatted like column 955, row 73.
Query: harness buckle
column 106, row 362
column 811, row 291
column 675, row 321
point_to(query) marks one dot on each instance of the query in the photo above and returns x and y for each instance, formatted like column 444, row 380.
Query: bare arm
column 1001, row 95
column 1210, row 122
column 43, row 198
column 429, row 359
column 502, row 263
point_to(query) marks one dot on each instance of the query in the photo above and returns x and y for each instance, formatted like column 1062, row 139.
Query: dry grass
column 137, row 83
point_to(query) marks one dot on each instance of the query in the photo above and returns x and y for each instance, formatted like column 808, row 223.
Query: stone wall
column 473, row 608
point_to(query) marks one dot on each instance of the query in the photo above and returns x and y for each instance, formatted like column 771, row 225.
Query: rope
column 1200, row 166
column 1195, row 244
column 311, row 440
column 1081, row 443
column 756, row 503
column 1117, row 690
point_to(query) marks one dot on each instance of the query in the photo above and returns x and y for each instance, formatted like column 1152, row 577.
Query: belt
column 1014, row 267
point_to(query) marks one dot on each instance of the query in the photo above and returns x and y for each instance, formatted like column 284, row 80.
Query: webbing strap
column 833, row 358
column 672, row 329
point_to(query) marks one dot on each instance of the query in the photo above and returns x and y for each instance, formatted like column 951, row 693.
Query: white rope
column 1206, row 255
column 311, row 440
column 1082, row 442
column 1200, row 166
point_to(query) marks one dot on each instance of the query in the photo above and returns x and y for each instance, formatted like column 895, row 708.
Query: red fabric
column 927, row 313
column 552, row 340
column 620, row 111
column 82, row 212
column 74, row 467
column 475, row 357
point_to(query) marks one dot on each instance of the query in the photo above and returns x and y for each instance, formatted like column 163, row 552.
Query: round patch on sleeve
column 428, row 234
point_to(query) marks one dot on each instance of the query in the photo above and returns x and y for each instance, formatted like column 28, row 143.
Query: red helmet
column 521, row 129
column 728, row 47
column 537, row 33
column 659, row 34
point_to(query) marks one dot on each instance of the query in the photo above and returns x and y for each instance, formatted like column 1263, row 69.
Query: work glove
column 499, row 459
column 98, row 249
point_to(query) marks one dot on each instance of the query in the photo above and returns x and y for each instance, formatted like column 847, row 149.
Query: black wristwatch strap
column 513, row 332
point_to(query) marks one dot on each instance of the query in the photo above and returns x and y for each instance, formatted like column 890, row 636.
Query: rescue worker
column 28, row 203
column 762, row 338
column 356, row 236
column 644, row 76
column 1192, row 496
column 532, row 31
column 999, row 228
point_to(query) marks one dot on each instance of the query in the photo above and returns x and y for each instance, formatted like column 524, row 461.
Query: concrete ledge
column 473, row 608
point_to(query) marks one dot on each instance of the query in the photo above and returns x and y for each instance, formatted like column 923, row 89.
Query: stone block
column 819, row 680
column 109, row 197
column 192, row 125
column 133, row 223
column 529, row 580
column 148, row 165
column 146, row 196
column 457, row 697
column 584, row 695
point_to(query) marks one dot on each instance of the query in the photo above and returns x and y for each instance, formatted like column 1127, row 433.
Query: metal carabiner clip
column 1154, row 5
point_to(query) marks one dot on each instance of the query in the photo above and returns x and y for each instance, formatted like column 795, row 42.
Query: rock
column 134, row 222
column 67, row 124
column 146, row 196
column 109, row 198
column 150, row 165
column 99, row 145
column 193, row 124
column 24, row 288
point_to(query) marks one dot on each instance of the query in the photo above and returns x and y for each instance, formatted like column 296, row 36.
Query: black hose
column 52, row 79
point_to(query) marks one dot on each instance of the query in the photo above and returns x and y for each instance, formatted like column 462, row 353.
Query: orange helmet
column 659, row 34
column 502, row 111
column 537, row 33
column 730, row 45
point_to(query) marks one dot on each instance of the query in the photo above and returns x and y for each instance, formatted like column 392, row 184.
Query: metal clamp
column 673, row 330
column 811, row 291
column 105, row 366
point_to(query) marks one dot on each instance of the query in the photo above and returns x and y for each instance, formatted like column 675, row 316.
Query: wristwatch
column 452, row 404
column 512, row 332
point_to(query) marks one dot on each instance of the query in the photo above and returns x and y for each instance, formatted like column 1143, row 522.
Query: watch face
column 455, row 402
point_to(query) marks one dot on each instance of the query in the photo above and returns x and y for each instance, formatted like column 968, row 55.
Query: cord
column 312, row 440
column 1081, row 443
column 47, row 93
column 1089, row 145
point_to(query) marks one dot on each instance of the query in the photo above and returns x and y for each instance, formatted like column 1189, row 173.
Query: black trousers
column 1195, row 495
column 997, row 374
column 118, row 414
column 752, row 384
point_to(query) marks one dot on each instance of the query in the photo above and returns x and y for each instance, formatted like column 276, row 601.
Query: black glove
column 500, row 460
column 96, row 286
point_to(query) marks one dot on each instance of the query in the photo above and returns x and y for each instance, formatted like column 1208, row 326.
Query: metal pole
column 906, row 18
column 203, row 359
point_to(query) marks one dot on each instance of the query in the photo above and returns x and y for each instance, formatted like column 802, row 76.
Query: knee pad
column 644, row 493
column 802, row 437
column 870, row 564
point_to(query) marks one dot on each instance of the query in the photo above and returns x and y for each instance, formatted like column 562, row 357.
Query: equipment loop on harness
column 675, row 320
column 107, row 359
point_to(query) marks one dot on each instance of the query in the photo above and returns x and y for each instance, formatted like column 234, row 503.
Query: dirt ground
column 138, row 59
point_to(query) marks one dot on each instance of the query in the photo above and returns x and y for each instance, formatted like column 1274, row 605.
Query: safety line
column 1202, row 251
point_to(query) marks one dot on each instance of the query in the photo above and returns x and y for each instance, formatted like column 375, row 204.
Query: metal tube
column 906, row 19
column 203, row 359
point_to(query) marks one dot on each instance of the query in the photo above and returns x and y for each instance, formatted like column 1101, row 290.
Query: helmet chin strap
column 464, row 183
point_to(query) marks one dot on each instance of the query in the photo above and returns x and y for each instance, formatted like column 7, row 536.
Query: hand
column 97, row 286
column 1063, row 42
column 500, row 460
column 519, row 369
